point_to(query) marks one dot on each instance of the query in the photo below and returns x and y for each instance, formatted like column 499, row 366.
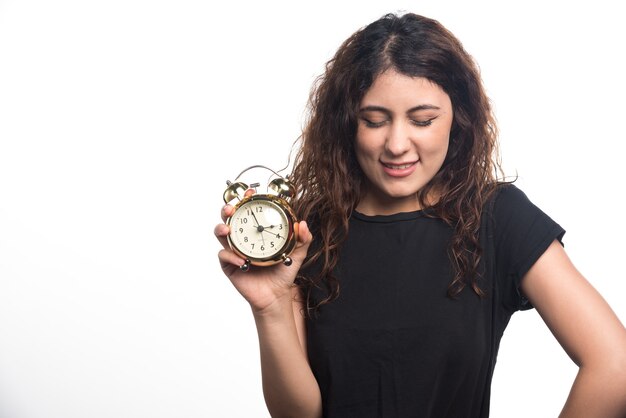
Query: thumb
column 304, row 239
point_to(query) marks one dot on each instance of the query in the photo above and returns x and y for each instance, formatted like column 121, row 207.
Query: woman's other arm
column 587, row 329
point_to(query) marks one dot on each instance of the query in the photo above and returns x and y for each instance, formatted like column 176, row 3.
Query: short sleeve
column 522, row 233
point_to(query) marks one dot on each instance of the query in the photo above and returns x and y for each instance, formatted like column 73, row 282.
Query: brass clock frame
column 284, row 191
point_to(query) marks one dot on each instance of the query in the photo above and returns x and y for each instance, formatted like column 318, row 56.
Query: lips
column 398, row 166
column 399, row 169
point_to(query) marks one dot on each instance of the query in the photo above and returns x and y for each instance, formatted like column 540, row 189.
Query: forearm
column 597, row 393
column 289, row 386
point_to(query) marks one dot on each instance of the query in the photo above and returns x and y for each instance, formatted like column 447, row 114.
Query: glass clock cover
column 260, row 229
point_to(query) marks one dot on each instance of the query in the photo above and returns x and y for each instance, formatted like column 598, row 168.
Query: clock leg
column 287, row 260
column 245, row 266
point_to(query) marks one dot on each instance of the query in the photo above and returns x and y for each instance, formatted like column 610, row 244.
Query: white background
column 120, row 121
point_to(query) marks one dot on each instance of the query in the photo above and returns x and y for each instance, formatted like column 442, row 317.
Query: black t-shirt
column 393, row 344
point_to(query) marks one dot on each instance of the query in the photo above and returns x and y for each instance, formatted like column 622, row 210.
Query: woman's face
column 401, row 141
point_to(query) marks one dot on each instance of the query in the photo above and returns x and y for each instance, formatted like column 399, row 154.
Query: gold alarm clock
column 262, row 225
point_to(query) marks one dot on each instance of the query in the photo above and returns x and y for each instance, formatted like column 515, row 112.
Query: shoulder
column 522, row 231
column 517, row 223
column 508, row 202
column 508, row 195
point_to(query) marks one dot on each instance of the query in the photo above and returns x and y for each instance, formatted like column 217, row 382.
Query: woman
column 420, row 255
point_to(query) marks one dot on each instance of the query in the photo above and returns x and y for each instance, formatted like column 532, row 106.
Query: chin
column 403, row 193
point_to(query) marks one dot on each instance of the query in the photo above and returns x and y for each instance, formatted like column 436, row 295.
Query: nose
column 398, row 139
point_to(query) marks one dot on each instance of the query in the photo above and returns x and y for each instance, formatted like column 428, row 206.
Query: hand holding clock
column 261, row 287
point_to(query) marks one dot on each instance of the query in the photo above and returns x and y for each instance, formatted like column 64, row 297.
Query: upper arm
column 578, row 316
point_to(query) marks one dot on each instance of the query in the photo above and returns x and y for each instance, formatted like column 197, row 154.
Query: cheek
column 365, row 147
column 436, row 147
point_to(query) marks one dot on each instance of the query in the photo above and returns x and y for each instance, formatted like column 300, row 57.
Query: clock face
column 259, row 229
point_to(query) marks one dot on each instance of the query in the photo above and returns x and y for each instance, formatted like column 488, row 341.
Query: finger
column 303, row 234
column 304, row 238
column 229, row 261
column 221, row 231
column 227, row 211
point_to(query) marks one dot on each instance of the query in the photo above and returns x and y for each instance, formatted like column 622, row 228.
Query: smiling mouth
column 399, row 166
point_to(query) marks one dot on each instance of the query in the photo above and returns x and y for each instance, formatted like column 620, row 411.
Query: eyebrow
column 411, row 110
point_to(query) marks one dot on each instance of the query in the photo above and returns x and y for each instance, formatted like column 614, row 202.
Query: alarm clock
column 262, row 225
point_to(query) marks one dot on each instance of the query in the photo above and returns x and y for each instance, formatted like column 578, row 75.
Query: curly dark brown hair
column 328, row 177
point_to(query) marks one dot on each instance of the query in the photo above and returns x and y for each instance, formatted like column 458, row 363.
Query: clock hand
column 276, row 235
column 259, row 227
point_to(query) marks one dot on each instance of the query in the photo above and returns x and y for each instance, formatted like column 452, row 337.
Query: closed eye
column 373, row 124
column 426, row 122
